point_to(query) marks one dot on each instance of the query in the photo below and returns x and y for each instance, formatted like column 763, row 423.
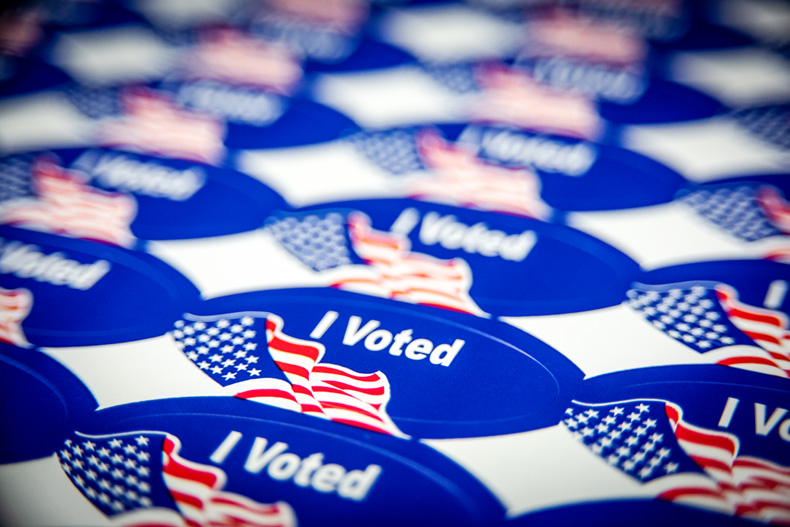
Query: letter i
column 324, row 324
column 224, row 449
column 729, row 411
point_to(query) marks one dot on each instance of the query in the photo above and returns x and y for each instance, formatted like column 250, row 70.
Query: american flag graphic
column 748, row 212
column 15, row 305
column 65, row 204
column 770, row 123
column 355, row 257
column 153, row 123
column 711, row 320
column 392, row 150
column 229, row 55
column 775, row 207
column 777, row 211
column 740, row 210
column 226, row 348
column 139, row 479
column 514, row 97
column 459, row 177
column 650, row 441
column 564, row 34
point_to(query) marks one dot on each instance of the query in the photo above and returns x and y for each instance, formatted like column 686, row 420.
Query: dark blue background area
column 21, row 76
column 41, row 402
column 663, row 102
column 501, row 381
column 139, row 297
column 370, row 54
column 566, row 271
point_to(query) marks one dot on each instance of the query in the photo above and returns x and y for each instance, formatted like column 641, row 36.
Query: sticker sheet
column 387, row 262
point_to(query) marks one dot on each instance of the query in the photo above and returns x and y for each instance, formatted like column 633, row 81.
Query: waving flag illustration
column 226, row 348
column 746, row 212
column 153, row 123
column 514, row 97
column 15, row 305
column 562, row 34
column 229, row 55
column 461, row 178
column 770, row 123
column 650, row 441
column 355, row 257
column 63, row 203
column 712, row 321
column 140, row 479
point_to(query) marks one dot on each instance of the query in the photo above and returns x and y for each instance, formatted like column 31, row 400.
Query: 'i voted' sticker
column 512, row 94
column 100, row 293
column 204, row 461
column 654, row 441
column 362, row 362
column 731, row 313
column 200, row 120
column 371, row 363
column 495, row 168
column 417, row 252
column 120, row 198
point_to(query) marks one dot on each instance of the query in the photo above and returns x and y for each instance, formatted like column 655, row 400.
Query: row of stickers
column 317, row 263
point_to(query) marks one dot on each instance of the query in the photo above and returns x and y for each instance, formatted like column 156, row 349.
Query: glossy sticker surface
column 114, row 295
column 120, row 197
column 454, row 258
column 373, row 363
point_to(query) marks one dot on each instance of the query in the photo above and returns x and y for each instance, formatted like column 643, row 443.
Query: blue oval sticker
column 514, row 95
column 120, row 197
column 454, row 258
column 372, row 364
column 201, row 119
column 262, row 468
column 515, row 171
column 53, row 402
column 670, row 438
column 101, row 294
column 732, row 313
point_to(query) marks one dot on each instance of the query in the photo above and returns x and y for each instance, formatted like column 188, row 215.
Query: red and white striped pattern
column 461, row 178
column 514, row 97
column 779, row 254
column 197, row 491
column 766, row 327
column 154, row 124
column 15, row 305
column 393, row 271
column 744, row 486
column 563, row 34
column 775, row 207
column 229, row 55
column 65, row 204
column 319, row 389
